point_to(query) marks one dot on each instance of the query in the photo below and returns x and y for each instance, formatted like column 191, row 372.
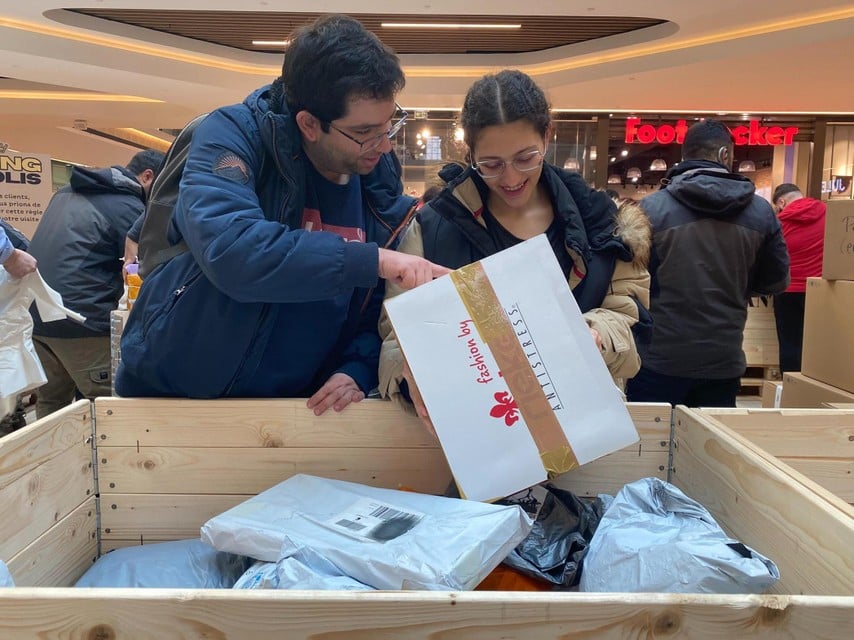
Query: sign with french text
column 25, row 189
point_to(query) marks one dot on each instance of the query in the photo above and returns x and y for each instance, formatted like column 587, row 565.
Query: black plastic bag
column 558, row 541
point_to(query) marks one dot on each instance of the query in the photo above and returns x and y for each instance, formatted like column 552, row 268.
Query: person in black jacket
column 79, row 244
column 715, row 243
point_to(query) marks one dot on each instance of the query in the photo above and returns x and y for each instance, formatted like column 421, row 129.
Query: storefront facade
column 809, row 151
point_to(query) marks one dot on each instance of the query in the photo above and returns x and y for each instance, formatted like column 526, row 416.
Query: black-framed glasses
column 490, row 169
column 374, row 141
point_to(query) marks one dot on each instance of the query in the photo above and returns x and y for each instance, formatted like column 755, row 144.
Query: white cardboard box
column 514, row 384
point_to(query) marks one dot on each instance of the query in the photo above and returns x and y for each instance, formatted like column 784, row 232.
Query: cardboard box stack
column 827, row 373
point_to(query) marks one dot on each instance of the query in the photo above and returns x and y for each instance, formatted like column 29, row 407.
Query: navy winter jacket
column 203, row 321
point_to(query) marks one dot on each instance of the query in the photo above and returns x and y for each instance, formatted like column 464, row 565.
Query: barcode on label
column 387, row 513
column 349, row 524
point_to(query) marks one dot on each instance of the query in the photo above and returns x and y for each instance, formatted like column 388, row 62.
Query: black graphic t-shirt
column 334, row 207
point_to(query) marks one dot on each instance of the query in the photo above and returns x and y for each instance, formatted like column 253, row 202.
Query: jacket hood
column 635, row 230
column 804, row 211
column 110, row 180
column 709, row 188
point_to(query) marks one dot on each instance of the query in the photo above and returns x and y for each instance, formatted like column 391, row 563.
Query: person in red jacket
column 802, row 220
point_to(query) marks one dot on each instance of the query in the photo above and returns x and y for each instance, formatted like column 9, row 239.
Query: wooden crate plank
column 837, row 476
column 282, row 423
column 249, row 471
column 62, row 554
column 141, row 517
column 25, row 449
column 154, row 614
column 799, row 433
column 33, row 503
column 754, row 496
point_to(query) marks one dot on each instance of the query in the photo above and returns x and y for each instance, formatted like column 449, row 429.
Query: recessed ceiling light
column 271, row 43
column 446, row 25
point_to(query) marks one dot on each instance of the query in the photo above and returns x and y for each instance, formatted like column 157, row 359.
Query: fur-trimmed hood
column 634, row 229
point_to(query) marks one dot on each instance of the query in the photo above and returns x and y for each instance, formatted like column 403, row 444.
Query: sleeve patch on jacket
column 231, row 167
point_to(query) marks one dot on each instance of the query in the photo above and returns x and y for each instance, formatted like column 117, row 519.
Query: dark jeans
column 649, row 386
column 789, row 318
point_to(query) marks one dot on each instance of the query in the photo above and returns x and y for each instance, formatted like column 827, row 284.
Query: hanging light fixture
column 746, row 166
column 614, row 179
column 634, row 173
column 658, row 165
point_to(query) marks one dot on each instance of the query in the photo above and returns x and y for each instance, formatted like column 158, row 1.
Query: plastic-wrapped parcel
column 654, row 538
column 383, row 538
column 182, row 564
column 306, row 570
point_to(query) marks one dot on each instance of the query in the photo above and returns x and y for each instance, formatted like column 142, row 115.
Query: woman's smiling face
column 515, row 145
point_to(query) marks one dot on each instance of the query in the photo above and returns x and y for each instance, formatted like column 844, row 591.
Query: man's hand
column 417, row 400
column 20, row 263
column 339, row 391
column 131, row 253
column 406, row 270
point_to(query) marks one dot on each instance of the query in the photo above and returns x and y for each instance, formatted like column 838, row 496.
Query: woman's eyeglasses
column 524, row 162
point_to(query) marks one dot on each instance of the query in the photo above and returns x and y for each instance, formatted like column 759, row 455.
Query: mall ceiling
column 111, row 66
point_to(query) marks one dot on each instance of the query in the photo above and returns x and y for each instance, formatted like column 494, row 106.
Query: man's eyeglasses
column 490, row 169
column 373, row 142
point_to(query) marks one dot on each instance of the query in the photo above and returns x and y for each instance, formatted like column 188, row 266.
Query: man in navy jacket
column 289, row 204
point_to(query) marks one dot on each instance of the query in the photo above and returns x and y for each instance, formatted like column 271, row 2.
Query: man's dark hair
column 704, row 139
column 148, row 159
column 333, row 60
column 502, row 98
column 784, row 189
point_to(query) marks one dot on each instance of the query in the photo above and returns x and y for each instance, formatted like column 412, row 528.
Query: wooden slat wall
column 47, row 493
column 155, row 614
column 819, row 443
column 167, row 466
column 758, row 501
column 62, row 554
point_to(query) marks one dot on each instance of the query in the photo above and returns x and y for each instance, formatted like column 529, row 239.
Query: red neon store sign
column 754, row 133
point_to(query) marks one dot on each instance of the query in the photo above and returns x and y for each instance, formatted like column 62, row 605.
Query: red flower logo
column 506, row 408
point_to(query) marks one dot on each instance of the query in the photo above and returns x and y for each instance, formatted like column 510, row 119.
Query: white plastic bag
column 654, row 538
column 182, row 564
column 383, row 538
column 20, row 368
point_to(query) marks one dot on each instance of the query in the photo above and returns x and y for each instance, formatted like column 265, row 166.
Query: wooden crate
column 171, row 464
column 818, row 444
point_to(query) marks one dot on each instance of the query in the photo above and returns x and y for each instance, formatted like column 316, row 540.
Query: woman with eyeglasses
column 509, row 194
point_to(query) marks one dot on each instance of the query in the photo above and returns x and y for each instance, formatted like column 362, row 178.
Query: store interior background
column 90, row 90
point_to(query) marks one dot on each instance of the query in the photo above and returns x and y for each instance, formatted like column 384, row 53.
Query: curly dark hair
column 333, row 60
column 502, row 98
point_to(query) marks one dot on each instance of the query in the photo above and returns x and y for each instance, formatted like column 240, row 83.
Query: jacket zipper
column 265, row 309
